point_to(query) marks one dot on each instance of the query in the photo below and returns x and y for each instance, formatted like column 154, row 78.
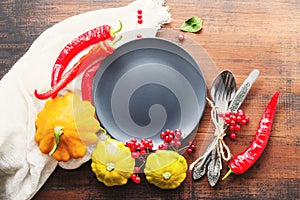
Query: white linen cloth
column 23, row 168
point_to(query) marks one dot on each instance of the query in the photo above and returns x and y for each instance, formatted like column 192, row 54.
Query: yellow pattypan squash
column 65, row 126
column 112, row 162
column 166, row 169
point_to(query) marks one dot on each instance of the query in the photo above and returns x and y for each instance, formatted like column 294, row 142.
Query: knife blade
column 243, row 91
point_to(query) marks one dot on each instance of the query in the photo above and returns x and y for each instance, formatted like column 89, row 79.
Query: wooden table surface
column 240, row 36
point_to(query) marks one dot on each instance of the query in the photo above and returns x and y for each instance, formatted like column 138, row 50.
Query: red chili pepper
column 80, row 43
column 95, row 55
column 242, row 162
column 88, row 75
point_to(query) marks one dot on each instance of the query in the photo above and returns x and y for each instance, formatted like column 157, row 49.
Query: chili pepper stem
column 114, row 32
column 58, row 131
column 116, row 40
column 227, row 174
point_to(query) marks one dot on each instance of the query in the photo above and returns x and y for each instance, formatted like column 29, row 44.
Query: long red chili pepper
column 80, row 43
column 96, row 54
column 242, row 162
column 87, row 79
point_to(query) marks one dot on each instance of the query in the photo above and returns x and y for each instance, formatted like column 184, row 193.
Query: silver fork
column 222, row 92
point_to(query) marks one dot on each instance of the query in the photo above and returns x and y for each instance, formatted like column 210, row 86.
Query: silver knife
column 243, row 91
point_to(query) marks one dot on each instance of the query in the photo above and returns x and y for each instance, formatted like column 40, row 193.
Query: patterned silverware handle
column 243, row 91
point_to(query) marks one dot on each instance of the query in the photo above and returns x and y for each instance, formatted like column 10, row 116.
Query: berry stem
column 174, row 148
column 185, row 147
column 141, row 158
column 143, row 163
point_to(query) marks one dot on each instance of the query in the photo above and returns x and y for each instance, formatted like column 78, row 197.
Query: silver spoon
column 223, row 90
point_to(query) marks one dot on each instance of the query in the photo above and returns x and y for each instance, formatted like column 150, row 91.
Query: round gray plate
column 146, row 86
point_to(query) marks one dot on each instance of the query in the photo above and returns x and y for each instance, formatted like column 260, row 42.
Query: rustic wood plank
column 238, row 35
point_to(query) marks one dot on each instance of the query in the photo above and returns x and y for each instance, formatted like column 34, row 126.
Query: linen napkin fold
column 23, row 168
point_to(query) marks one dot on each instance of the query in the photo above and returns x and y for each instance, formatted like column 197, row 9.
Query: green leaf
column 192, row 25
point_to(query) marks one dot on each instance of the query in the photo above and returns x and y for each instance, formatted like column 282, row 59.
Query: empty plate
column 146, row 86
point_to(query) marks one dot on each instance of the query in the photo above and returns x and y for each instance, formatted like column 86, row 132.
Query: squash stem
column 103, row 130
column 110, row 166
column 167, row 175
column 58, row 131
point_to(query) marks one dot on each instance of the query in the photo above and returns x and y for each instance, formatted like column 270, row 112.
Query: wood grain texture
column 240, row 36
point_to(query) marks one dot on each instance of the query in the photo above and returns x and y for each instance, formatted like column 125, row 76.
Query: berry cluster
column 139, row 21
column 139, row 16
column 191, row 148
column 139, row 148
column 135, row 178
column 170, row 138
column 234, row 120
